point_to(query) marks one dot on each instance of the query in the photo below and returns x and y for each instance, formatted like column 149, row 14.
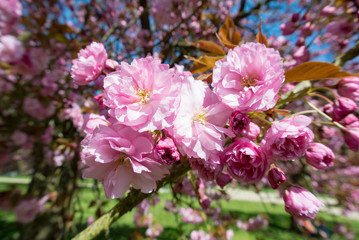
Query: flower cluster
column 153, row 116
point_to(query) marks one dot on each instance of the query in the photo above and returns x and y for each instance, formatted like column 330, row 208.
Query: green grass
column 278, row 229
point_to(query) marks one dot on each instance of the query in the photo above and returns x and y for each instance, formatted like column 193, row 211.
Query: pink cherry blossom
column 288, row 139
column 200, row 235
column 27, row 209
column 37, row 109
column 190, row 215
column 207, row 169
column 19, row 137
column 249, row 78
column 10, row 12
column 154, row 230
column 92, row 121
column 167, row 151
column 89, row 64
column 301, row 203
column 143, row 94
column 199, row 126
column 245, row 161
column 320, row 156
column 11, row 49
column 119, row 157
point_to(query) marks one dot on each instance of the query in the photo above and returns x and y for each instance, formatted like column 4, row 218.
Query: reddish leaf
column 229, row 33
column 260, row 36
column 315, row 71
column 209, row 46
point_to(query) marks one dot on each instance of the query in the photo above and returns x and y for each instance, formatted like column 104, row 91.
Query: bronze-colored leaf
column 205, row 77
column 229, row 33
column 315, row 71
column 199, row 68
column 282, row 112
column 206, row 60
column 226, row 44
column 260, row 36
column 209, row 47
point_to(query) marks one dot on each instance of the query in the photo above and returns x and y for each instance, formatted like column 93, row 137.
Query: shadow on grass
column 8, row 230
column 125, row 232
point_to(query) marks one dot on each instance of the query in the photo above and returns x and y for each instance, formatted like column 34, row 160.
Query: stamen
column 200, row 117
column 121, row 161
column 145, row 95
column 249, row 80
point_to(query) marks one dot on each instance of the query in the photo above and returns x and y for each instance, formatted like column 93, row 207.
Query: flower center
column 200, row 117
column 249, row 80
column 121, row 161
column 144, row 95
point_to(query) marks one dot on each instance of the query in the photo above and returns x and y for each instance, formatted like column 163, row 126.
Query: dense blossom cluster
column 247, row 124
column 148, row 96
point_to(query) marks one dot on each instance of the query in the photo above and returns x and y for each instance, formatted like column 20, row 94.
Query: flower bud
column 328, row 109
column 342, row 107
column 349, row 87
column 276, row 177
column 351, row 138
column 349, row 120
column 301, row 203
column 245, row 160
column 223, row 179
column 295, row 17
column 320, row 156
column 167, row 151
column 251, row 131
column 238, row 121
column 287, row 28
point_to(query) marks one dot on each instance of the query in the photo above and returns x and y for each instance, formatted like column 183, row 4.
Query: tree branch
column 126, row 204
column 256, row 8
column 347, row 56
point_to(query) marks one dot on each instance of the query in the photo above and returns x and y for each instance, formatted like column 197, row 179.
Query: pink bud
column 205, row 203
column 90, row 221
column 300, row 42
column 295, row 17
column 342, row 107
column 223, row 179
column 99, row 98
column 325, row 132
column 251, row 131
column 349, row 87
column 301, row 203
column 167, row 151
column 245, row 160
column 328, row 11
column 111, row 65
column 238, row 121
column 276, row 177
column 301, row 54
column 351, row 138
column 350, row 119
column 287, row 28
column 328, row 109
column 307, row 29
column 320, row 156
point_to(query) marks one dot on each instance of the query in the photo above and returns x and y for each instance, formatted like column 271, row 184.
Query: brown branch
column 256, row 8
column 126, row 204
